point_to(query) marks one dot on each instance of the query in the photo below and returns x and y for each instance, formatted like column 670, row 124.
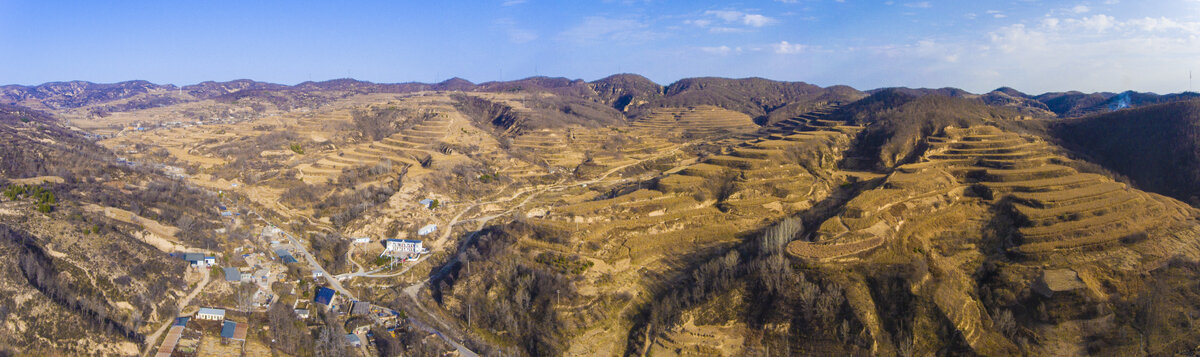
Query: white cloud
column 783, row 47
column 513, row 2
column 742, row 18
column 719, row 50
column 919, row 5
column 515, row 34
column 723, row 29
column 1079, row 9
column 1098, row 23
column 756, row 20
column 1097, row 52
column 727, row 15
column 599, row 28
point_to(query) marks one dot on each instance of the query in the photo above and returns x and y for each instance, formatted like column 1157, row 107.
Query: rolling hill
column 709, row 216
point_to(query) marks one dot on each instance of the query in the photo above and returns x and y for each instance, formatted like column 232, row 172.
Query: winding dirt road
column 182, row 304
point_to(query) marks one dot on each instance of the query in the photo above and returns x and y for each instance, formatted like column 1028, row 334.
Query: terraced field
column 1056, row 206
column 683, row 209
column 811, row 121
column 409, row 147
column 700, row 120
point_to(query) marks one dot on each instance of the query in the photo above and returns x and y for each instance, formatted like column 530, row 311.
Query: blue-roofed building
column 287, row 257
column 228, row 329
column 195, row 259
column 353, row 340
column 181, row 321
column 232, row 274
column 325, row 296
column 428, row 203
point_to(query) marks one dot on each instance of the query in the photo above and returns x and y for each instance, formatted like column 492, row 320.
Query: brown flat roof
column 239, row 333
column 169, row 343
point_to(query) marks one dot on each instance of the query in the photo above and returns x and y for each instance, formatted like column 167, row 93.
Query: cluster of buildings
column 362, row 314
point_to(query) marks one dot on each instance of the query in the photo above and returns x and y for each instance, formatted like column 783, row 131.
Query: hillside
column 1157, row 146
column 556, row 216
column 627, row 91
column 898, row 122
column 755, row 97
column 86, row 241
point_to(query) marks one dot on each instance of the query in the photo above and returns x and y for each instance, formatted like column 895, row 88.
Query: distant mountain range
column 627, row 93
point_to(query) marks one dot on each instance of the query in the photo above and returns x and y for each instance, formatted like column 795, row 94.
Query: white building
column 427, row 229
column 211, row 314
column 362, row 240
column 404, row 246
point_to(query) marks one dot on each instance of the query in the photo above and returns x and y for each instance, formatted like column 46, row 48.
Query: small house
column 353, row 340
column 428, row 203
column 360, row 308
column 362, row 240
column 195, row 259
column 262, row 274
column 210, row 261
column 233, row 330
column 325, row 296
column 302, row 313
column 427, row 229
column 286, row 256
column 210, row 314
column 232, row 274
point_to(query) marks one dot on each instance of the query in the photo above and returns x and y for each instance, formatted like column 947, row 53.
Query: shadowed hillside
column 753, row 96
column 898, row 122
column 1158, row 146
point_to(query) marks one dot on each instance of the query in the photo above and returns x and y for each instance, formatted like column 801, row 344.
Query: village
column 229, row 315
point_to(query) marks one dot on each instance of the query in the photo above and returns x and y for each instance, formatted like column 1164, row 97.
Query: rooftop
column 232, row 274
column 404, row 240
column 228, row 329
column 324, row 295
column 211, row 311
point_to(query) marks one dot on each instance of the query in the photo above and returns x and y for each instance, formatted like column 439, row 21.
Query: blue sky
column 1031, row 45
